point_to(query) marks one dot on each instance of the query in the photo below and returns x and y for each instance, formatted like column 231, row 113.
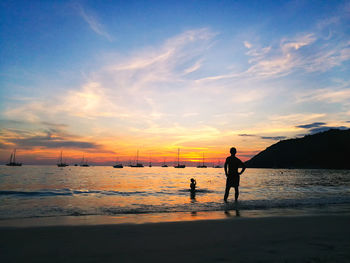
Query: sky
column 106, row 79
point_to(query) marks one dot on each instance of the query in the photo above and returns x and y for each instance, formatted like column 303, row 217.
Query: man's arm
column 225, row 167
column 243, row 168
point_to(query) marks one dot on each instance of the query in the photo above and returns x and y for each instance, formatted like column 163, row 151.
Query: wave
column 69, row 192
column 66, row 192
column 310, row 204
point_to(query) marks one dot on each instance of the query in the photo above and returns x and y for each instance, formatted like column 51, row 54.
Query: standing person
column 232, row 175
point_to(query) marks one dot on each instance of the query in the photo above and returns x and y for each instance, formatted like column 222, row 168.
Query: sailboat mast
column 137, row 157
column 178, row 156
column 203, row 160
column 14, row 156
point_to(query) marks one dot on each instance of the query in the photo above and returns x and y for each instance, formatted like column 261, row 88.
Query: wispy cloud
column 307, row 52
column 246, row 135
column 317, row 127
column 93, row 23
column 327, row 95
column 275, row 138
column 311, row 125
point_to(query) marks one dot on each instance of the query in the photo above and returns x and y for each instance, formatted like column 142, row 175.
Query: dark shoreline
column 269, row 239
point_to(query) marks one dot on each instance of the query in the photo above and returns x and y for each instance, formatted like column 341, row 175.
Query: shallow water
column 49, row 191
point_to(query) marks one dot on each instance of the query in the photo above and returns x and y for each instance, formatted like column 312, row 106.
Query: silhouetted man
column 232, row 175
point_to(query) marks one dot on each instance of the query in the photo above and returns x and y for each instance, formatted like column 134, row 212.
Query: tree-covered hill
column 328, row 150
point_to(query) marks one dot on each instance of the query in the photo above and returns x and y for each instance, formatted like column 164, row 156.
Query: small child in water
column 193, row 185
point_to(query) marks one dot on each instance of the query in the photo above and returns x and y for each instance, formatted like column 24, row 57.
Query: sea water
column 131, row 193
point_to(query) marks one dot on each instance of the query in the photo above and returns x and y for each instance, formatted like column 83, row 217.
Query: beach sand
column 269, row 239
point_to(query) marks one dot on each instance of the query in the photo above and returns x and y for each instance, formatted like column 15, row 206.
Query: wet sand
column 274, row 239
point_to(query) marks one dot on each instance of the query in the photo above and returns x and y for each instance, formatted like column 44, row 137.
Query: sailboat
column 202, row 166
column 164, row 164
column 61, row 163
column 178, row 160
column 218, row 165
column 137, row 161
column 118, row 165
column 84, row 163
column 150, row 161
column 12, row 161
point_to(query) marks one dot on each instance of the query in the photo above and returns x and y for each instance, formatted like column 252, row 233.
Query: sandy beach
column 274, row 239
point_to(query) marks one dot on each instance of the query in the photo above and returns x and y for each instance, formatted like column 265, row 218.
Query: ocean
column 134, row 195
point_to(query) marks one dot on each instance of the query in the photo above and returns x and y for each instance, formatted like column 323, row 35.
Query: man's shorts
column 232, row 180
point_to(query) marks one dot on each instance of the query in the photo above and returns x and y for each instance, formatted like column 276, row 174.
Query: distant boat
column 61, row 163
column 218, row 165
column 178, row 160
column 137, row 161
column 164, row 165
column 150, row 162
column 84, row 163
column 117, row 165
column 202, row 166
column 12, row 161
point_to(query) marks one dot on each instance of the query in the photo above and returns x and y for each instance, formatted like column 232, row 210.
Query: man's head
column 192, row 180
column 233, row 151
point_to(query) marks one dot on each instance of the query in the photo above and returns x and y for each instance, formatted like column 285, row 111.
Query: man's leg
column 227, row 191
column 236, row 193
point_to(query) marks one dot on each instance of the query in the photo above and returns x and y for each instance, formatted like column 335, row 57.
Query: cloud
column 134, row 93
column 247, row 44
column 50, row 142
column 193, row 68
column 93, row 23
column 5, row 146
column 246, row 135
column 282, row 61
column 49, row 138
column 317, row 127
column 336, row 94
column 297, row 117
column 275, row 138
column 304, row 53
column 311, row 125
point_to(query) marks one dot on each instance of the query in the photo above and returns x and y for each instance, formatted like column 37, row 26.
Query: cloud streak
column 93, row 23
column 50, row 138
column 311, row 125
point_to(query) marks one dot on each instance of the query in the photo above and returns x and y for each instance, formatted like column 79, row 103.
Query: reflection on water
column 41, row 191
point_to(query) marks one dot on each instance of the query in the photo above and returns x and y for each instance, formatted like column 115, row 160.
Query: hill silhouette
column 326, row 150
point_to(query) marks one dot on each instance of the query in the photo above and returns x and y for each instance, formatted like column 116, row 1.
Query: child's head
column 192, row 180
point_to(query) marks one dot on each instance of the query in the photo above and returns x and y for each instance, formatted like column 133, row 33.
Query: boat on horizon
column 202, row 166
column 150, row 161
column 218, row 165
column 178, row 160
column 84, row 163
column 137, row 161
column 12, row 161
column 164, row 164
column 118, row 165
column 61, row 163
